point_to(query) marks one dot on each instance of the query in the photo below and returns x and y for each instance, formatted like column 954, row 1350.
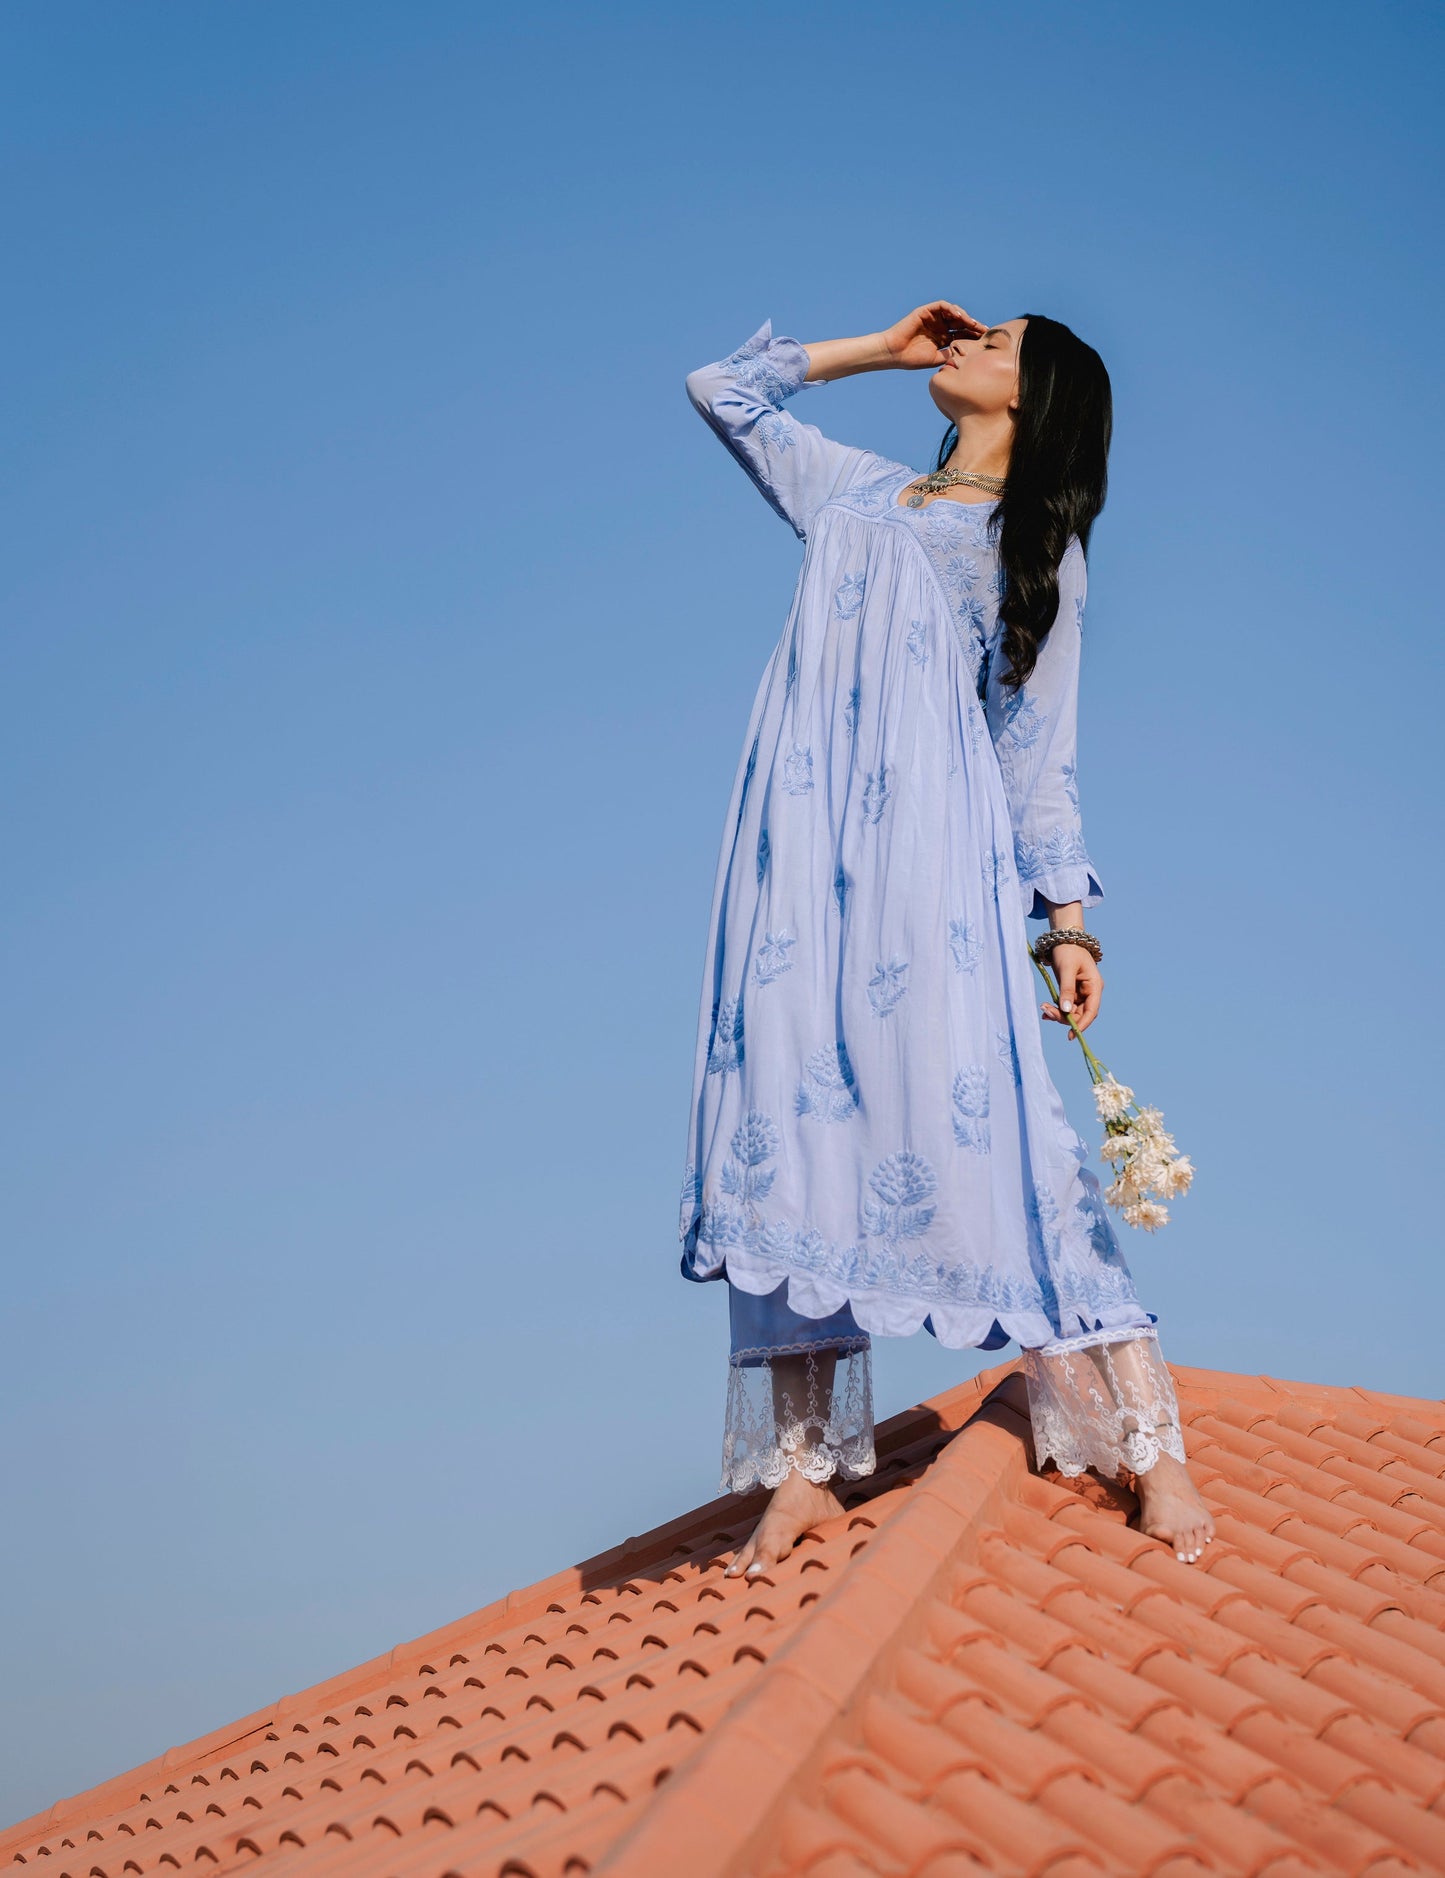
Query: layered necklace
column 946, row 478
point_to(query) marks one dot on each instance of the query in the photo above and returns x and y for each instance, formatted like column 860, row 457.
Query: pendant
column 916, row 501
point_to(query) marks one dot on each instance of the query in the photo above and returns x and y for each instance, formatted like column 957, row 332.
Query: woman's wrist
column 842, row 358
column 1070, row 915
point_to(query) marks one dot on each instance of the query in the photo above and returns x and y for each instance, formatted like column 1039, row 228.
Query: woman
column 875, row 1142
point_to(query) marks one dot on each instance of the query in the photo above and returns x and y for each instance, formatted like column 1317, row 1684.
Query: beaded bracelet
column 1043, row 947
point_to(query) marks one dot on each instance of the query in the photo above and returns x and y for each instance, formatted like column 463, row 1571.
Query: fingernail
column 754, row 1570
column 1067, row 1007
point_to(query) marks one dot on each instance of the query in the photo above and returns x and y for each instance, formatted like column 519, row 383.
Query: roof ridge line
column 751, row 1759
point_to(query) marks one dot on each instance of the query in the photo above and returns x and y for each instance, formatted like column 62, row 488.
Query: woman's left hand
column 1081, row 986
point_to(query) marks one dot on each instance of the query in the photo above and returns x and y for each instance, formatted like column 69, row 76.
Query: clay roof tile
column 974, row 1670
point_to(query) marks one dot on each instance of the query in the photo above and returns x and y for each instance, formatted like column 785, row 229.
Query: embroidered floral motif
column 900, row 1209
column 726, row 1049
column 961, row 570
column 850, row 709
column 690, row 1199
column 965, row 945
column 873, row 492
column 776, row 432
column 848, row 597
column 1008, row 1054
column 886, row 987
column 744, row 1177
column 901, row 1184
column 1021, row 718
column 938, row 525
column 1079, row 611
column 1071, row 785
column 772, row 957
column 798, row 770
column 1060, row 847
column 942, row 525
column 828, row 1091
column 1087, row 1294
column 995, row 871
column 751, row 368
column 971, row 613
column 970, row 1108
column 765, row 849
column 918, row 642
column 876, row 791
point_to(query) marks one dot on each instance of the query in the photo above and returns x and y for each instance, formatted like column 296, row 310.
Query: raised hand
column 919, row 341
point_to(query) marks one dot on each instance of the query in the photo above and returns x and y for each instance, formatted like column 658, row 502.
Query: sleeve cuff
column 775, row 368
column 1059, row 885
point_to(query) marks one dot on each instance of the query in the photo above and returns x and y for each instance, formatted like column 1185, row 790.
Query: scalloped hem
column 887, row 1314
column 817, row 1466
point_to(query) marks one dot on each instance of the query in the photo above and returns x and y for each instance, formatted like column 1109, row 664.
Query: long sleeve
column 1034, row 730
column 795, row 466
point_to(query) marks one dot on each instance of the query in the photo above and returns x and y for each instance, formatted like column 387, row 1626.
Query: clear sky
column 364, row 774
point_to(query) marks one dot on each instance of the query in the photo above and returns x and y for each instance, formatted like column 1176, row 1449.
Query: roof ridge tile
column 880, row 1592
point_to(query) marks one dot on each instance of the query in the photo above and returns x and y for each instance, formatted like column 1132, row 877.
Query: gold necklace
column 945, row 479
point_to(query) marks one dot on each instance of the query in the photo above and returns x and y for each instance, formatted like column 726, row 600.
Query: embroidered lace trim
column 1109, row 1405
column 1087, row 1340
column 807, row 1409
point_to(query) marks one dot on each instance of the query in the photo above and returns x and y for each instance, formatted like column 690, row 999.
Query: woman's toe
column 745, row 1556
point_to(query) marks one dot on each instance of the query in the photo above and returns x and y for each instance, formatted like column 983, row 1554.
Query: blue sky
column 366, row 743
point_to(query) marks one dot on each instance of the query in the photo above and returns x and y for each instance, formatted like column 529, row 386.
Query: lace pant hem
column 802, row 1409
column 1106, row 1403
column 800, row 1399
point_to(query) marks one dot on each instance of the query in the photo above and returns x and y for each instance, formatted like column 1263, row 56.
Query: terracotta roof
column 973, row 1670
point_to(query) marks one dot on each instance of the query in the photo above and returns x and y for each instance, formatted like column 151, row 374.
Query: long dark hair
column 1058, row 477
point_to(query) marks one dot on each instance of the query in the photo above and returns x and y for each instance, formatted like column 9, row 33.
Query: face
column 982, row 375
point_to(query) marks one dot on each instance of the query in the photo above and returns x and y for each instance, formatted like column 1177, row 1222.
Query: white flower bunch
column 1148, row 1168
column 1142, row 1153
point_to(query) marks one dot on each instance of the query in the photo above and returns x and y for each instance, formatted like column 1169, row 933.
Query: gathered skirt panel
column 873, row 1122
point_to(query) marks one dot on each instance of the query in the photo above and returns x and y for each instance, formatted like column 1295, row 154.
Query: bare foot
column 1170, row 1508
column 795, row 1506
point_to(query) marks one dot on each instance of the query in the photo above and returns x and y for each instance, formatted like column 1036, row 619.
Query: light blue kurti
column 873, row 1122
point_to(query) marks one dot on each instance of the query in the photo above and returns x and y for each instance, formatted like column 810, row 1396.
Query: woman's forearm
column 841, row 358
column 1061, row 916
